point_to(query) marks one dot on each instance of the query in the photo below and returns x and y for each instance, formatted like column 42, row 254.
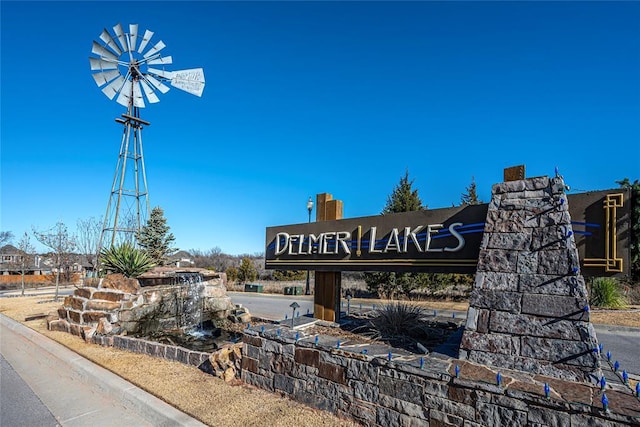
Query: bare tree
column 88, row 238
column 5, row 237
column 27, row 249
column 62, row 243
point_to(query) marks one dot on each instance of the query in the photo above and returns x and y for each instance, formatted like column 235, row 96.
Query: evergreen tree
column 404, row 198
column 390, row 285
column 155, row 238
column 247, row 271
column 471, row 196
column 634, row 241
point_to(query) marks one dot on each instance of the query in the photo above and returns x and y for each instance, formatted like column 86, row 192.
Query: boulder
column 121, row 283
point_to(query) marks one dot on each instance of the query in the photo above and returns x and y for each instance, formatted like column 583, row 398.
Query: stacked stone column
column 529, row 307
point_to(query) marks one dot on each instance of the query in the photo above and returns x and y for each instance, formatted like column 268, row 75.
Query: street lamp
column 309, row 208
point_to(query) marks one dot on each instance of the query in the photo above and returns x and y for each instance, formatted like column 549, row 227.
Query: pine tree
column 404, row 198
column 390, row 285
column 471, row 196
column 155, row 238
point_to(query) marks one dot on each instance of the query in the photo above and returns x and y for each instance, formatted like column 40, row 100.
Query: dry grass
column 630, row 316
column 200, row 395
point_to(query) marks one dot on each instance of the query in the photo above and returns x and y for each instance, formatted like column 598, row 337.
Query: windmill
column 131, row 69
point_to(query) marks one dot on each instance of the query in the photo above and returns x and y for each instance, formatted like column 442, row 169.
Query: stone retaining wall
column 377, row 392
column 223, row 363
column 119, row 304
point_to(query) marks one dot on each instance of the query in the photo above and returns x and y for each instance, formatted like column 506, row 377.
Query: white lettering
column 292, row 240
column 372, row 242
column 312, row 241
column 408, row 233
column 432, row 229
column 283, row 249
column 452, row 230
column 393, row 243
column 340, row 238
column 325, row 238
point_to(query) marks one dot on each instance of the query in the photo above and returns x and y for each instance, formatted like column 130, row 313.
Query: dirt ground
column 205, row 397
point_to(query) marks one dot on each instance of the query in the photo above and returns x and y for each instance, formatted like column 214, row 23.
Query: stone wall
column 377, row 392
column 117, row 304
column 223, row 363
column 529, row 308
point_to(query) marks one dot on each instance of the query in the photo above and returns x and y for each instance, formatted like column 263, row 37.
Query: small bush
column 606, row 293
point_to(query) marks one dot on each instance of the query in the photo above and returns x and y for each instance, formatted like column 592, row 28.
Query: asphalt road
column 623, row 343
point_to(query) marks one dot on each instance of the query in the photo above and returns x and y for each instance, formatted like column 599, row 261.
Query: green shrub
column 126, row 259
column 289, row 275
column 247, row 271
column 605, row 292
column 232, row 274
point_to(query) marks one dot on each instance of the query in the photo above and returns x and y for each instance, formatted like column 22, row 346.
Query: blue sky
column 309, row 97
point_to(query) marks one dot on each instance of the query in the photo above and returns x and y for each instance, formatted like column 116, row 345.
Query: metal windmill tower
column 123, row 65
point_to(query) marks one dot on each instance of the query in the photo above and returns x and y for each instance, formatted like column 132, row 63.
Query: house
column 11, row 259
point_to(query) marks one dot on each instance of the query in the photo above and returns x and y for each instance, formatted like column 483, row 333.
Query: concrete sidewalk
column 76, row 391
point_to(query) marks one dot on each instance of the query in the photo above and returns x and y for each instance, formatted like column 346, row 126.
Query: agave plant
column 397, row 322
column 605, row 293
column 126, row 259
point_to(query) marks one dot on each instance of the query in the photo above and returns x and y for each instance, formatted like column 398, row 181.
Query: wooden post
column 514, row 173
column 327, row 284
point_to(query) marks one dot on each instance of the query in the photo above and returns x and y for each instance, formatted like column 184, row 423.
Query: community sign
column 443, row 240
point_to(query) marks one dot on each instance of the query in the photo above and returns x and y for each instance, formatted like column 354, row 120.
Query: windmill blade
column 145, row 39
column 103, row 52
column 161, row 73
column 124, row 97
column 162, row 60
column 155, row 49
column 138, row 101
column 121, row 38
column 101, row 64
column 191, row 81
column 157, row 84
column 133, row 35
column 149, row 93
column 106, row 77
column 114, row 87
column 110, row 42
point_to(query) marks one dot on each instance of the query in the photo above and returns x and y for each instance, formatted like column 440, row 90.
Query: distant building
column 11, row 262
column 181, row 259
column 11, row 259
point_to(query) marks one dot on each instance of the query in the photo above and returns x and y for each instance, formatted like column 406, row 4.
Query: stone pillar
column 529, row 307
column 327, row 284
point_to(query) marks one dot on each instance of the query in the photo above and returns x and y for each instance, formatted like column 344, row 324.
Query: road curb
column 150, row 407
